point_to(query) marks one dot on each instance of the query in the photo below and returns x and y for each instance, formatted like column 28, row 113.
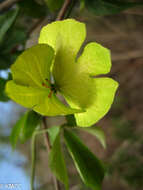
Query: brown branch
column 63, row 10
column 48, row 145
column 7, row 4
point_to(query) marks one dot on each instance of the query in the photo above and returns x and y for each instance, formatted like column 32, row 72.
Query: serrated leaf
column 24, row 127
column 107, row 7
column 90, row 168
column 97, row 132
column 6, row 21
column 56, row 159
column 54, row 5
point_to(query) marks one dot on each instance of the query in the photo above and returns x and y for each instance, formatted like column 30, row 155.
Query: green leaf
column 12, row 39
column 3, row 96
column 6, row 21
column 82, row 4
column 70, row 120
column 16, row 131
column 97, row 132
column 32, row 121
column 5, row 60
column 56, row 159
column 53, row 132
column 54, row 5
column 24, row 127
column 30, row 86
column 32, row 8
column 15, row 36
column 106, row 7
column 90, row 168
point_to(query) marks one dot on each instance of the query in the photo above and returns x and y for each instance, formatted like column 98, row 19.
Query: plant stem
column 48, row 145
column 33, row 157
column 64, row 9
column 72, row 4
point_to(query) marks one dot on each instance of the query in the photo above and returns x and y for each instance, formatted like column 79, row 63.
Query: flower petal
column 103, row 94
column 33, row 66
column 66, row 38
column 38, row 100
column 26, row 96
column 53, row 106
column 95, row 59
column 78, row 88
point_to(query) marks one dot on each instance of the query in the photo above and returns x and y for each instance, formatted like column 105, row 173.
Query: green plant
column 89, row 98
column 53, row 67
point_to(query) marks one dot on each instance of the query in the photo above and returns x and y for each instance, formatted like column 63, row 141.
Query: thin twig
column 48, row 145
column 46, row 134
column 63, row 10
column 73, row 2
column 7, row 4
column 33, row 157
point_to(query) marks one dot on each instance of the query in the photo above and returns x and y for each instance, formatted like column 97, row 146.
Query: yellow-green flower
column 75, row 77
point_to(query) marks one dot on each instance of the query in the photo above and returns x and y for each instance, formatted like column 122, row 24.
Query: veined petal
column 32, row 67
column 66, row 38
column 78, row 88
column 38, row 99
column 103, row 94
column 95, row 59
column 28, row 97
column 53, row 106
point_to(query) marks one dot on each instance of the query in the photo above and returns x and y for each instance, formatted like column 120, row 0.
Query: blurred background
column 122, row 33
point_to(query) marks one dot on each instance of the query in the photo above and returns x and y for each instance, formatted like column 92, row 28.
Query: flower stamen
column 51, row 87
